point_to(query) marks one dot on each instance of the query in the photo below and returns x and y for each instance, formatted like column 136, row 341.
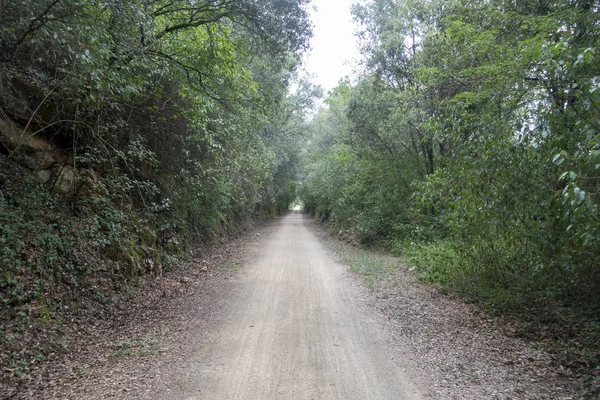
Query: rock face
column 137, row 255
column 44, row 159
column 65, row 181
column 22, row 97
column 17, row 139
column 39, row 152
column 44, row 175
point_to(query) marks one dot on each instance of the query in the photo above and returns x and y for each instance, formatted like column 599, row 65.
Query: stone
column 152, row 261
column 172, row 246
column 25, row 98
column 89, row 180
column 15, row 138
column 43, row 159
column 44, row 175
column 65, row 182
column 147, row 236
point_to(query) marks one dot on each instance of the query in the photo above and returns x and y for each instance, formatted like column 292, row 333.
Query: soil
column 276, row 315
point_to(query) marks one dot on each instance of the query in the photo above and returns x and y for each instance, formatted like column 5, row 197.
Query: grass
column 132, row 348
column 373, row 265
column 232, row 266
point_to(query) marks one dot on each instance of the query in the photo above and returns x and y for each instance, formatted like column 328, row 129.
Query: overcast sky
column 333, row 45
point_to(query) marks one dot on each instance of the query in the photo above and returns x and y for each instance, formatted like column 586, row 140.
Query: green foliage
column 132, row 348
column 173, row 118
column 37, row 246
column 470, row 145
column 159, row 123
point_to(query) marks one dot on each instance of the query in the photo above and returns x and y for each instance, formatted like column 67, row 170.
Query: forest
column 142, row 126
column 131, row 131
column 468, row 145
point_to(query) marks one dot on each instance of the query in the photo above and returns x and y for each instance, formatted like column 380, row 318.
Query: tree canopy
column 470, row 144
column 163, row 123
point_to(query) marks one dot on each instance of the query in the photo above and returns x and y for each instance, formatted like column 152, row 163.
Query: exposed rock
column 65, row 182
column 151, row 261
column 147, row 236
column 173, row 246
column 88, row 181
column 152, row 267
column 44, row 175
column 137, row 260
column 44, row 159
column 16, row 138
column 24, row 97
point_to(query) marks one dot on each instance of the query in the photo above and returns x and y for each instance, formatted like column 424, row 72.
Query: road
column 294, row 329
column 293, row 323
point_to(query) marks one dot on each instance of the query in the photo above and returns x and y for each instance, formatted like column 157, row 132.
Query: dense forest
column 153, row 123
column 129, row 132
column 469, row 144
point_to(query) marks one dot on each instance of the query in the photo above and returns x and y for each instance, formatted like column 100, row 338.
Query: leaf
column 572, row 175
column 558, row 159
column 564, row 175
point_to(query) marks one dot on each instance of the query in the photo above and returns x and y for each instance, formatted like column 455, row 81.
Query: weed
column 233, row 266
column 81, row 369
column 372, row 265
column 132, row 348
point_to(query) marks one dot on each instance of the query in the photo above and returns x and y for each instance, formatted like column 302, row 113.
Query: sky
column 333, row 44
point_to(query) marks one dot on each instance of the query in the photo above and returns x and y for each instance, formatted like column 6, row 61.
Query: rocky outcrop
column 66, row 179
column 39, row 154
column 138, row 255
column 26, row 101
column 26, row 111
column 15, row 138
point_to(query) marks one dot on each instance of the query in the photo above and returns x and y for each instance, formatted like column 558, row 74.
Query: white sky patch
column 334, row 49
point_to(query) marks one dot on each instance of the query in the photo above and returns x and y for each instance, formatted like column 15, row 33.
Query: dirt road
column 293, row 323
column 293, row 330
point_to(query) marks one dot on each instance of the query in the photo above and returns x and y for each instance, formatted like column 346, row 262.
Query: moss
column 147, row 236
column 173, row 247
column 127, row 253
column 153, row 261
column 137, row 258
column 43, row 310
column 152, row 253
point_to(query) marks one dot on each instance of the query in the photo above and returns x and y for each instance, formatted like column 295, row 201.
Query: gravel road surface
column 293, row 330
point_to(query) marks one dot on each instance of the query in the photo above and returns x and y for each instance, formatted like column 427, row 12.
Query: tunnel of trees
column 469, row 143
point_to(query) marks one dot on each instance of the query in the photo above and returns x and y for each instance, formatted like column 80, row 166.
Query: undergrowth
column 372, row 264
column 38, row 242
column 564, row 325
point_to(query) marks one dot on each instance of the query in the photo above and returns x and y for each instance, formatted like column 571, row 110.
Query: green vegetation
column 373, row 265
column 470, row 146
column 132, row 348
column 145, row 126
column 129, row 132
